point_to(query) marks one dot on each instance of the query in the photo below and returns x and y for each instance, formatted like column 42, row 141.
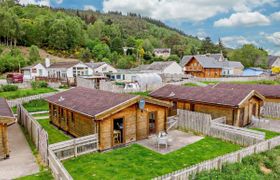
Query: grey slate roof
column 205, row 61
column 232, row 64
column 159, row 65
column 95, row 65
column 216, row 56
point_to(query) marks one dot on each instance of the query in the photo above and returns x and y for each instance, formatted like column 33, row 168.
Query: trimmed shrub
column 39, row 84
column 8, row 88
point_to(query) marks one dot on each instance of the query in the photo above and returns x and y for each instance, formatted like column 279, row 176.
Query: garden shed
column 6, row 119
column 118, row 119
column 238, row 106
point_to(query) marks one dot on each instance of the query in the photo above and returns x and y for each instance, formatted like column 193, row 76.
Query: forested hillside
column 89, row 35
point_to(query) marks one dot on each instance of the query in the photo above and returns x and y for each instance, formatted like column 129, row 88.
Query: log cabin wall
column 4, row 151
column 274, row 100
column 74, row 123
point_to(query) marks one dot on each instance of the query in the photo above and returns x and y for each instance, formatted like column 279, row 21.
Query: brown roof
column 268, row 91
column 66, row 65
column 226, row 97
column 89, row 101
column 5, row 110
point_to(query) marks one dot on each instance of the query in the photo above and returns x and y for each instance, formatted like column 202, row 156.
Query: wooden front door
column 152, row 122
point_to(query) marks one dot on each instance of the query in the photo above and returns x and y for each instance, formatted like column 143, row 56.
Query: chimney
column 47, row 62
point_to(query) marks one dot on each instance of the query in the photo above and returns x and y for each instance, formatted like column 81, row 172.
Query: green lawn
column 137, row 162
column 210, row 82
column 35, row 106
column 141, row 93
column 42, row 175
column 25, row 92
column 190, row 84
column 267, row 82
column 41, row 115
column 256, row 167
column 268, row 134
column 55, row 135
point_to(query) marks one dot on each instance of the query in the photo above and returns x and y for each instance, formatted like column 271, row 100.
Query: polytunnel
column 147, row 79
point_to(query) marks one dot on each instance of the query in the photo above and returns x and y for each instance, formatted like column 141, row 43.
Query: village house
column 273, row 61
column 211, row 66
column 31, row 72
column 201, row 66
column 270, row 92
column 164, row 67
column 102, row 68
column 6, row 119
column 68, row 71
column 238, row 105
column 118, row 119
column 162, row 53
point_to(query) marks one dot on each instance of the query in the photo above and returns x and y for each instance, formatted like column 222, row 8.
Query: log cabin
column 6, row 119
column 270, row 92
column 238, row 106
column 118, row 119
column 201, row 66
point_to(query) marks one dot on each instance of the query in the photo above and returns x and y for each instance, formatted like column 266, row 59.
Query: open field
column 55, row 135
column 137, row 162
column 266, row 82
column 190, row 84
column 141, row 93
column 25, row 92
column 42, row 175
column 256, row 167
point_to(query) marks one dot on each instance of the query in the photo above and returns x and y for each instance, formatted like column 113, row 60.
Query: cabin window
column 118, row 131
column 254, row 111
column 54, row 111
column 152, row 123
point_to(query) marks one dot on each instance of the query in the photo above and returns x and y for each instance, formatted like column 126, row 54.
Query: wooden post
column 239, row 157
column 255, row 149
column 220, row 164
column 269, row 145
column 75, row 149
column 5, row 141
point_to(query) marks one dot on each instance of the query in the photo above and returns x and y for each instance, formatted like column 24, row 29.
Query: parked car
column 14, row 78
column 132, row 86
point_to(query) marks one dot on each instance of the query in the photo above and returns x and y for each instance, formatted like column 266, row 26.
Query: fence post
column 255, row 149
column 219, row 163
column 239, row 157
column 269, row 145
column 75, row 149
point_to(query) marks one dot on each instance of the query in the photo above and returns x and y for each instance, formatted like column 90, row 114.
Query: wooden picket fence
column 271, row 109
column 35, row 131
column 217, row 163
column 203, row 123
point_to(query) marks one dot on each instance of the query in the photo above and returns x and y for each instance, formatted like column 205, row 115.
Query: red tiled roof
column 268, row 91
column 5, row 110
column 216, row 96
column 88, row 101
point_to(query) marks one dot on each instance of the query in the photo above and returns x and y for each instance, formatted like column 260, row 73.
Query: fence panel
column 76, row 147
column 271, row 109
column 190, row 172
column 37, row 134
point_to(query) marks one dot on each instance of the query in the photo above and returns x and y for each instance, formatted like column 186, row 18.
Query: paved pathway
column 21, row 161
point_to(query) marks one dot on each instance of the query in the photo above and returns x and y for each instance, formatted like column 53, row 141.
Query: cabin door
column 118, row 131
column 152, row 123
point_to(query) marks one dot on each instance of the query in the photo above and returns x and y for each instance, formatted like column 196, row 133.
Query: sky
column 235, row 22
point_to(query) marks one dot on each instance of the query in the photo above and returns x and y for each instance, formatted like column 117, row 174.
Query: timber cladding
column 6, row 119
column 116, row 124
column 238, row 106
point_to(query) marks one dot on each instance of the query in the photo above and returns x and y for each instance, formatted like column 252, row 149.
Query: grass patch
column 190, row 84
column 141, row 93
column 25, row 92
column 259, row 166
column 137, row 162
column 42, row 175
column 55, row 135
column 35, row 106
column 210, row 82
column 41, row 115
column 268, row 134
column 265, row 82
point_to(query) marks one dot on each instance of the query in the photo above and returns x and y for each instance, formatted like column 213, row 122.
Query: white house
column 164, row 67
column 102, row 68
column 274, row 61
column 232, row 68
column 31, row 72
column 163, row 53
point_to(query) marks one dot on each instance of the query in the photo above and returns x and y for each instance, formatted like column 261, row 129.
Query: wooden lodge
column 6, row 119
column 118, row 119
column 270, row 92
column 238, row 106
column 201, row 66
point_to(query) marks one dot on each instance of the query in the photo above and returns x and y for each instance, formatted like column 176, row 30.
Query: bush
column 39, row 84
column 8, row 88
